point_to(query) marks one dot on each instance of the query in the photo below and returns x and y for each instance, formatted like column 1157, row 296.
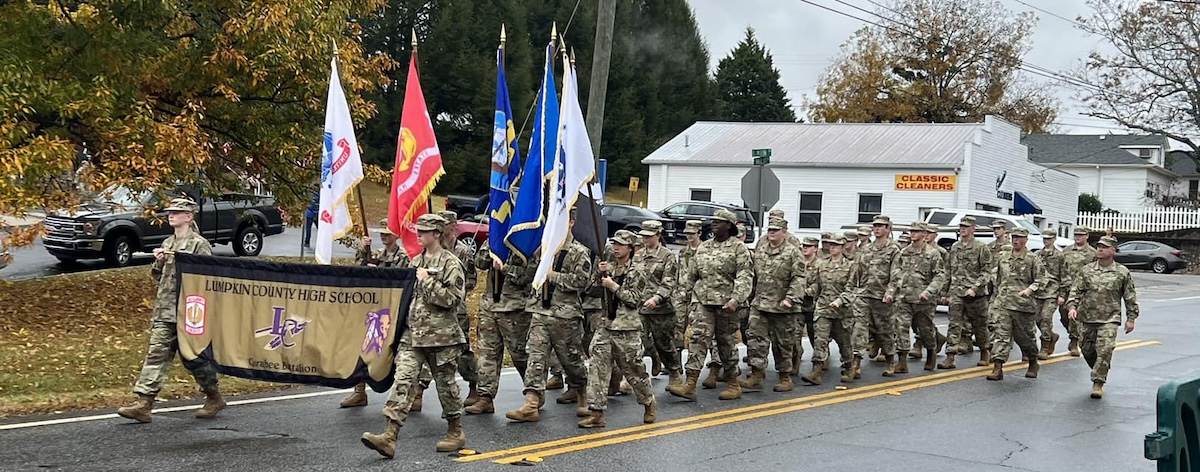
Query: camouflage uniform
column 1047, row 297
column 660, row 268
column 917, row 270
column 720, row 272
column 780, row 271
column 903, row 342
column 1074, row 259
column 827, row 280
column 618, row 344
column 870, row 276
column 503, row 321
column 1014, row 316
column 970, row 269
column 467, row 364
column 558, row 318
column 806, row 322
column 385, row 257
column 683, row 294
column 1096, row 295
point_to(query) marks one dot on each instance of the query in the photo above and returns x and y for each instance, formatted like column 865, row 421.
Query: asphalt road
column 944, row 420
column 33, row 261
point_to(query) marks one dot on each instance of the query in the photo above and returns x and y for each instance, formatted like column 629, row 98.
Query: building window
column 1193, row 189
column 869, row 205
column 1145, row 153
column 1152, row 190
column 1064, row 229
column 986, row 207
column 701, row 195
column 810, row 210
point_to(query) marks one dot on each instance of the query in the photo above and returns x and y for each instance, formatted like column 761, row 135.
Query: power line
column 1077, row 24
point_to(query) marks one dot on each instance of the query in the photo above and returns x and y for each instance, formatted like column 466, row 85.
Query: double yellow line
column 637, row 433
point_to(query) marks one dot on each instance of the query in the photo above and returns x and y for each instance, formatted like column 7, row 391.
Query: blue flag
column 506, row 167
column 525, row 233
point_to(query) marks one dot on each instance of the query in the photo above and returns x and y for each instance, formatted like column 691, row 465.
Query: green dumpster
column 1176, row 444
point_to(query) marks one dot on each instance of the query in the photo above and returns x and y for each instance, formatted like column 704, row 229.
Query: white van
column 950, row 217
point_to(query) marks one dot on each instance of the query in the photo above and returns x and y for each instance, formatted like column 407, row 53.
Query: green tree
column 1090, row 203
column 748, row 85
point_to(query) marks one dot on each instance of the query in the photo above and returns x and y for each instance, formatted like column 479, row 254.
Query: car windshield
column 1033, row 229
column 643, row 213
column 121, row 196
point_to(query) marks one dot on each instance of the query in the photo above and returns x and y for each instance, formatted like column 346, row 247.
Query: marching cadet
column 827, row 281
column 1019, row 275
column 683, row 296
column 620, row 338
column 871, row 276
column 970, row 269
column 1047, row 297
column 1074, row 259
column 824, row 252
column 467, row 364
column 433, row 338
column 1095, row 300
column 851, row 246
column 660, row 267
column 904, row 240
column 918, row 275
column 778, row 295
column 720, row 275
column 791, row 238
column 806, row 324
column 595, row 319
column 393, row 255
column 557, row 325
column 163, row 338
column 503, row 324
column 1002, row 243
column 802, row 323
column 864, row 236
column 931, row 234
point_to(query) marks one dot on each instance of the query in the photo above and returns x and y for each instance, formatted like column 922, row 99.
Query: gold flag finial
column 414, row 38
column 502, row 37
column 572, row 55
column 335, row 48
column 554, row 32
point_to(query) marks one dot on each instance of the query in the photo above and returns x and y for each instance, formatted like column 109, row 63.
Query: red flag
column 418, row 164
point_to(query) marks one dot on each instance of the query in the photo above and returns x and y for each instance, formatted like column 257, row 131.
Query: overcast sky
column 805, row 39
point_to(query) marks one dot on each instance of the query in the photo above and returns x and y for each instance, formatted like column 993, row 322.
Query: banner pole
column 599, row 239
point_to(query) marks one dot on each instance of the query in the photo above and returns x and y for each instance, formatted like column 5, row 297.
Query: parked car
column 948, row 218
column 466, row 206
column 629, row 216
column 1157, row 257
column 680, row 212
column 122, row 222
column 472, row 231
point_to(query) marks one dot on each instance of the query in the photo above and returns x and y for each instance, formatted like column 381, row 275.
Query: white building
column 835, row 174
column 1128, row 172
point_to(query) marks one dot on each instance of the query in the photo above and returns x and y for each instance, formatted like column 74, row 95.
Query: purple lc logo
column 282, row 330
column 378, row 322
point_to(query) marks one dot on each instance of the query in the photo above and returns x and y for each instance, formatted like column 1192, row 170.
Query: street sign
column 761, row 157
column 633, row 184
column 760, row 189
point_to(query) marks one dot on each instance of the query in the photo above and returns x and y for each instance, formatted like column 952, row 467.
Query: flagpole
column 362, row 209
column 496, row 276
column 595, row 217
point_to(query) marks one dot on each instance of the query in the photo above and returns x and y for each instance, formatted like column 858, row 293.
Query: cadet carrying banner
column 335, row 326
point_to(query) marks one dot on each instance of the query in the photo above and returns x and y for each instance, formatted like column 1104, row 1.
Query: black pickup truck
column 116, row 226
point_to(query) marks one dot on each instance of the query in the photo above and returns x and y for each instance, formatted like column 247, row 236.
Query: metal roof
column 1088, row 149
column 807, row 144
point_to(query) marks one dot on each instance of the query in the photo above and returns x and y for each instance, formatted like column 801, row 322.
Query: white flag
column 341, row 170
column 573, row 168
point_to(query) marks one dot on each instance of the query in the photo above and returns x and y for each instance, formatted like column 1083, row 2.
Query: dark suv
column 703, row 211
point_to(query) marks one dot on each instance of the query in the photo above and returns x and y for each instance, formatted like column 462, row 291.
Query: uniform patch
column 195, row 314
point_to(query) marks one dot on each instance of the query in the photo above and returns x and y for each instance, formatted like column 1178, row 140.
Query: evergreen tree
column 748, row 85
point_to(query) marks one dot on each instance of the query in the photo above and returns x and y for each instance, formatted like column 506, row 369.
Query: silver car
column 1149, row 255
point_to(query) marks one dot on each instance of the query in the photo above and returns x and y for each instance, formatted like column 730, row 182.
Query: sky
column 805, row 39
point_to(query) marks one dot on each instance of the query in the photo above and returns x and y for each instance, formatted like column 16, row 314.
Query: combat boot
column 571, row 396
column 949, row 362
column 814, row 377
column 581, row 408
column 733, row 390
column 484, row 405
column 455, row 438
column 873, row 351
column 555, row 382
column 1032, row 371
column 856, row 368
column 650, row 412
column 688, row 388
column 675, row 378
column 383, row 443
column 140, row 410
column 472, row 394
column 356, row 399
column 901, row 363
column 1073, row 346
column 213, row 404
column 890, row 370
column 915, row 352
column 1097, row 390
column 754, row 381
column 418, row 400
column 930, row 359
column 997, row 371
column 595, row 419
column 527, row 413
column 710, row 380
column 785, row 382
column 985, row 357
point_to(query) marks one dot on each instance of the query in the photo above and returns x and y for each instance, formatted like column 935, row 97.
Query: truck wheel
column 470, row 242
column 119, row 251
column 248, row 242
column 1159, row 266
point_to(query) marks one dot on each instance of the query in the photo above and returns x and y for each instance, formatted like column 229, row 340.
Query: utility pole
column 605, row 18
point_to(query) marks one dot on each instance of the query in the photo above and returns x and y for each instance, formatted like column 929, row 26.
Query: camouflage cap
column 881, row 220
column 1000, row 224
column 182, row 204
column 850, row 235
column 777, row 223
column 826, row 235
column 809, row 241
column 1020, row 232
column 967, row 221
column 1080, row 231
column 741, row 227
column 431, row 222
column 727, row 216
column 692, row 227
column 776, row 213
column 1107, row 241
column 448, row 215
column 651, row 228
column 864, row 230
column 624, row 237
column 837, row 239
column 1049, row 233
column 904, row 238
column 383, row 227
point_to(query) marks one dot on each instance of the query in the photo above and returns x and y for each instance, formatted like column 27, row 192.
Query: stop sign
column 760, row 188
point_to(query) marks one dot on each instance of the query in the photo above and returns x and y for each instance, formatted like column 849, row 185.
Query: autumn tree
column 159, row 92
column 748, row 85
column 935, row 61
column 1148, row 81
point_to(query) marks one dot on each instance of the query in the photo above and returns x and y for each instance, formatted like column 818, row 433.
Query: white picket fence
column 1148, row 221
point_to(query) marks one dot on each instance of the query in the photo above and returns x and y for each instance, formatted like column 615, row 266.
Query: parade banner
column 335, row 326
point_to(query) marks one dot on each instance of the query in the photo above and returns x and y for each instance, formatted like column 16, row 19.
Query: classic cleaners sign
column 926, row 182
column 297, row 323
